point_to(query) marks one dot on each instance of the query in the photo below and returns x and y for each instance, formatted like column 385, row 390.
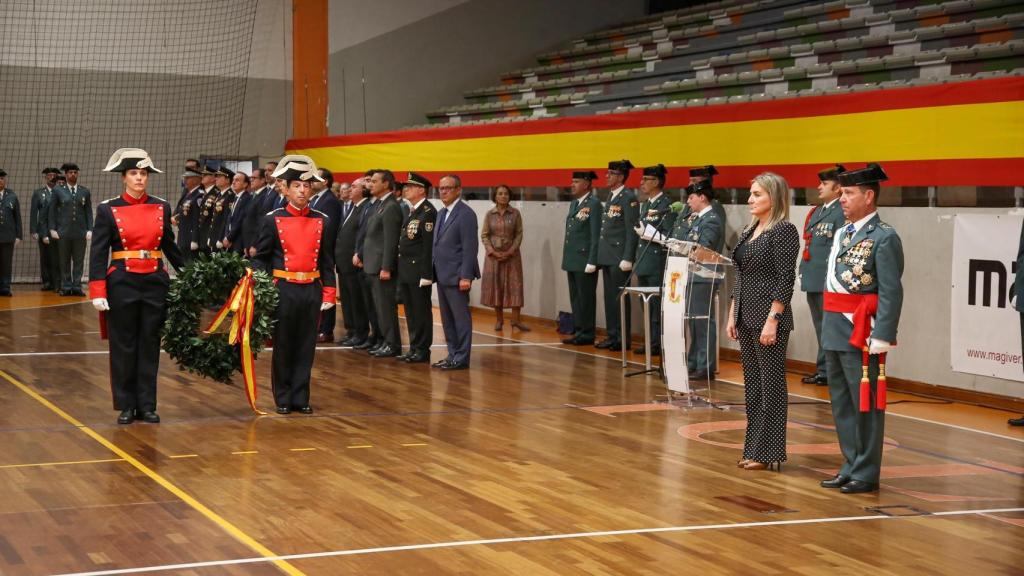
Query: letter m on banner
column 984, row 327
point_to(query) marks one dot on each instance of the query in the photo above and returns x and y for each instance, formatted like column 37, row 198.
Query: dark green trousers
column 860, row 433
column 816, row 301
column 583, row 299
column 614, row 280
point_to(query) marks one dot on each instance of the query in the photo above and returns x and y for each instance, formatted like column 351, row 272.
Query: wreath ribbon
column 241, row 303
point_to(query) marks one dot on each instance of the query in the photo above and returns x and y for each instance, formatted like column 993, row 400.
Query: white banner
column 985, row 331
column 673, row 312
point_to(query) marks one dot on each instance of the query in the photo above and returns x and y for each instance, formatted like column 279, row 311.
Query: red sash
column 863, row 307
column 807, row 235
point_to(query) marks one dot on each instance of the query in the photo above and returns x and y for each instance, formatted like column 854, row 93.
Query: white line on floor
column 546, row 537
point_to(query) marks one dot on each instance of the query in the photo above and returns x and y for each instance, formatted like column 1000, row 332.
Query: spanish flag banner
column 961, row 133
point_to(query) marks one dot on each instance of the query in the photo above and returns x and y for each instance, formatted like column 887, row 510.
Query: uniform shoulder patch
column 314, row 210
column 158, row 199
column 885, row 226
column 107, row 201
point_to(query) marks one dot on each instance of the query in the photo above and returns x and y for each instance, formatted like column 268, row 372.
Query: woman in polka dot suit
column 761, row 319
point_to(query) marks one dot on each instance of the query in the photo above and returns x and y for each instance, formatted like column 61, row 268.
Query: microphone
column 674, row 207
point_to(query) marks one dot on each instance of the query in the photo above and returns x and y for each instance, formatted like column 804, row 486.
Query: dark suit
column 456, row 243
column 380, row 252
column 49, row 263
column 71, row 217
column 415, row 263
column 353, row 301
column 368, row 207
column 240, row 236
column 187, row 213
column 10, row 230
column 329, row 206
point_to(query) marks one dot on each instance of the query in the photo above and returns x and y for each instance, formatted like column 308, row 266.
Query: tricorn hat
column 125, row 159
column 870, row 174
column 831, row 173
column 297, row 167
column 584, row 175
column 708, row 171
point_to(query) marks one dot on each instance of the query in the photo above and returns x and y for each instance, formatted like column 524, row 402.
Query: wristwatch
column 777, row 316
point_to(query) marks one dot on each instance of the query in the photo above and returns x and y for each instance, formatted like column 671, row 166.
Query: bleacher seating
column 729, row 52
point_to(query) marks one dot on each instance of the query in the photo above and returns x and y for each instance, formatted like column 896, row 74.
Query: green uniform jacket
column 416, row 245
column 10, row 217
column 687, row 212
column 822, row 226
column 582, row 233
column 618, row 240
column 653, row 262
column 708, row 231
column 872, row 262
column 70, row 213
column 39, row 212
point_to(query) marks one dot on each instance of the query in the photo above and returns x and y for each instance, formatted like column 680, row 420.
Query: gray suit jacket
column 380, row 247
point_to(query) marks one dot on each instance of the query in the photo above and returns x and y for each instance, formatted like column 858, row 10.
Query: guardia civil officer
column 616, row 250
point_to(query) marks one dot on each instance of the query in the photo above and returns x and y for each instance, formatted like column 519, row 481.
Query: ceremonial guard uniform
column 49, row 263
column 221, row 211
column 650, row 256
column 616, row 250
column 820, row 227
column 579, row 259
column 863, row 299
column 187, row 215
column 10, row 232
column 127, row 276
column 70, row 221
column 707, row 229
column 416, row 272
column 204, row 234
column 293, row 249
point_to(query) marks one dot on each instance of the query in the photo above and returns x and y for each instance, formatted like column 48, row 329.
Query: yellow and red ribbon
column 241, row 303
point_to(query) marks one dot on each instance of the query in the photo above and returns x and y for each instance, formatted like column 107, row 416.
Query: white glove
column 876, row 346
column 590, row 269
column 625, row 265
column 54, row 235
column 639, row 230
column 219, row 244
column 194, row 245
column 424, row 282
column 88, row 235
column 46, row 240
column 100, row 304
column 326, row 306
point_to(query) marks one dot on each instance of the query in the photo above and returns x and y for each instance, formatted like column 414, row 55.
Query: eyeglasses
column 649, row 178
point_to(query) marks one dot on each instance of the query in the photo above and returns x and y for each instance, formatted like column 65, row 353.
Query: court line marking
column 540, row 538
column 228, row 527
column 890, row 413
column 564, row 349
column 41, row 464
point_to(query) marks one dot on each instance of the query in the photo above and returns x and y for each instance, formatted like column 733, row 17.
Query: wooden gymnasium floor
column 540, row 460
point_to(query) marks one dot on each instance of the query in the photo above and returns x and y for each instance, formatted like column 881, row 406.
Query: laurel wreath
column 204, row 284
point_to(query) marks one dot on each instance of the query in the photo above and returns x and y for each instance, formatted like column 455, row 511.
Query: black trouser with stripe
column 419, row 316
column 297, row 314
column 136, row 316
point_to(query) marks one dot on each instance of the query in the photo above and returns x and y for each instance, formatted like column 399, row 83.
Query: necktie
column 849, row 234
column 444, row 217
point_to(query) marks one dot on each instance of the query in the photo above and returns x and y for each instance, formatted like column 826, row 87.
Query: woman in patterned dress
column 501, row 235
